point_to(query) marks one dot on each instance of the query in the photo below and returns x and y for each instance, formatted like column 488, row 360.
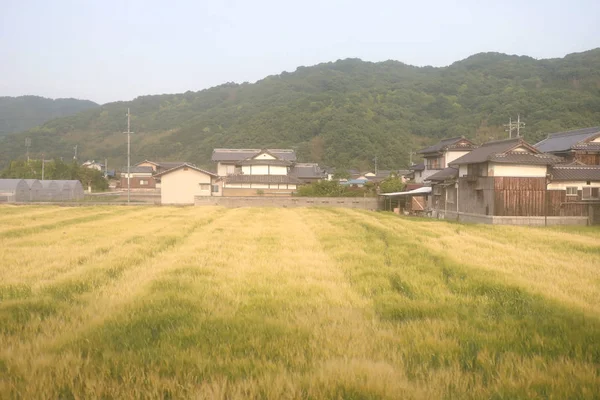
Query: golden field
column 160, row 302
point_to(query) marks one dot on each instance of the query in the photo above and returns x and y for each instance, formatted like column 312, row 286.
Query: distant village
column 555, row 181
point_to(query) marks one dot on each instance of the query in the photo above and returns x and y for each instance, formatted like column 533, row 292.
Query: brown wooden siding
column 519, row 196
column 588, row 159
column 559, row 204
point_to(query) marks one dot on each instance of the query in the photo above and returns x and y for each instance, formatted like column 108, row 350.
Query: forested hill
column 25, row 112
column 342, row 113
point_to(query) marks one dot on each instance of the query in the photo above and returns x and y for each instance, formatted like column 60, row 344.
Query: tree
column 391, row 184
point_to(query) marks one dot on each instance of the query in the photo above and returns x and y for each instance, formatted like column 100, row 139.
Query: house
column 573, row 188
column 141, row 177
column 13, row 191
column 308, row 172
column 182, row 183
column 161, row 166
column 250, row 172
column 416, row 173
column 581, row 145
column 441, row 154
column 511, row 182
column 228, row 160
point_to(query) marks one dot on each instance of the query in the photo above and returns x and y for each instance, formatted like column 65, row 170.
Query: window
column 143, row 182
column 215, row 188
column 590, row 193
column 204, row 186
column 433, row 163
column 571, row 190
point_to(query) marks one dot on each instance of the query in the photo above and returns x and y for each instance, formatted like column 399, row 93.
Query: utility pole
column 128, row 156
column 106, row 168
column 27, row 146
column 375, row 159
column 410, row 154
column 43, row 166
column 75, row 156
column 519, row 124
column 514, row 125
column 510, row 127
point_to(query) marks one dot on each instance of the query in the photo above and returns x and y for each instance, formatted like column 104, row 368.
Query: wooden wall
column 519, row 196
column 559, row 204
column 588, row 159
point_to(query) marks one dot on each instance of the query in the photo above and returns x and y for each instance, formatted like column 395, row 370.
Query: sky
column 112, row 50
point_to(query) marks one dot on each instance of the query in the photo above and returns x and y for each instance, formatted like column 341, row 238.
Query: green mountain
column 341, row 113
column 21, row 113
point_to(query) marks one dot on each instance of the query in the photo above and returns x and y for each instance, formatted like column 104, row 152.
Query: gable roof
column 575, row 173
column 242, row 154
column 502, row 151
column 187, row 166
column 564, row 141
column 137, row 170
column 446, row 173
column 307, row 170
column 164, row 164
column 417, row 167
column 458, row 142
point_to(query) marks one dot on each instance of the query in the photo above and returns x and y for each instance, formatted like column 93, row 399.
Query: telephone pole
column 375, row 159
column 128, row 156
column 511, row 126
column 27, row 146
column 75, row 156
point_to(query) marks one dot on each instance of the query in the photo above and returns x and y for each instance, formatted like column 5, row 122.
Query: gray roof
column 262, row 179
column 446, row 173
column 564, row 141
column 500, row 151
column 307, row 170
column 186, row 165
column 138, row 170
column 417, row 167
column 575, row 173
column 447, row 144
column 242, row 154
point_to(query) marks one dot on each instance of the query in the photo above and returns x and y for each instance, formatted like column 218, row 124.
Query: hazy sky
column 117, row 50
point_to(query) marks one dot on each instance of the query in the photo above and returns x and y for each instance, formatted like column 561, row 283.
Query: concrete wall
column 452, row 155
column 367, row 203
column 181, row 186
column 495, row 220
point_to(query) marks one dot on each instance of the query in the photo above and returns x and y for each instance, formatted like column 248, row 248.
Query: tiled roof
column 500, row 151
column 575, row 173
column 137, row 170
column 590, row 146
column 307, row 171
column 186, row 166
column 564, row 141
column 261, row 179
column 417, row 167
column 448, row 143
column 242, row 154
column 446, row 173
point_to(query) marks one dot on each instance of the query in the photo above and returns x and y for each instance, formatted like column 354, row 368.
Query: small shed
column 35, row 189
column 50, row 191
column 13, row 190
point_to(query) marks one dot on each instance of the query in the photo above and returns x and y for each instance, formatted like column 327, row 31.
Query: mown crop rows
column 159, row 302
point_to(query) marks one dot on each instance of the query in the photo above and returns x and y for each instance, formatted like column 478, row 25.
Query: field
column 159, row 302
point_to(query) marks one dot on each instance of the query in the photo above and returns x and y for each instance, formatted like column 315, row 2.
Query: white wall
column 529, row 171
column 462, row 170
column 224, row 169
column 597, row 140
column 452, row 155
column 264, row 156
column 563, row 185
column 180, row 186
column 264, row 170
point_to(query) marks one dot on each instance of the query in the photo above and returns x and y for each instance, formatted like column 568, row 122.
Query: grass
column 160, row 302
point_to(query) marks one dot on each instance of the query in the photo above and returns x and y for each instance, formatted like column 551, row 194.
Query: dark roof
column 564, row 141
column 403, row 172
column 138, row 170
column 242, row 154
column 575, row 173
column 187, row 166
column 446, row 173
column 262, row 179
column 447, row 144
column 307, row 170
column 417, row 167
column 501, row 151
column 590, row 146
column 264, row 162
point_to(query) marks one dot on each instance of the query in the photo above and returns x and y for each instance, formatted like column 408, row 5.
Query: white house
column 440, row 155
column 180, row 185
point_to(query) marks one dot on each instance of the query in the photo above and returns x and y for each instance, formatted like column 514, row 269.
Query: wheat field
column 249, row 303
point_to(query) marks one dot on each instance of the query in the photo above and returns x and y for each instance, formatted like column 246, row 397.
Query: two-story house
column 581, row 145
column 253, row 172
column 441, row 154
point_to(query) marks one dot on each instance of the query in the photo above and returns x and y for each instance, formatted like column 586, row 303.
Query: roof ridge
column 571, row 132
